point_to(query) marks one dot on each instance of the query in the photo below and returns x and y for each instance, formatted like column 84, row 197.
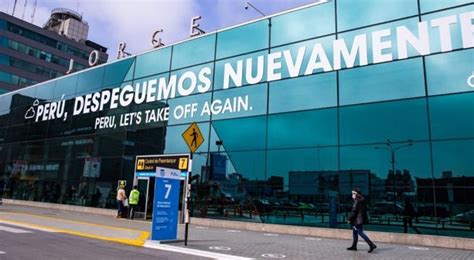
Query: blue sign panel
column 166, row 204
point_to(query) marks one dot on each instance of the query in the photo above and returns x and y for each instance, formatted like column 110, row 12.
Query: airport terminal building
column 295, row 110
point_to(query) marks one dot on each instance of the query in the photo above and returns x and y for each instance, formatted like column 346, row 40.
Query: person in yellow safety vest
column 133, row 200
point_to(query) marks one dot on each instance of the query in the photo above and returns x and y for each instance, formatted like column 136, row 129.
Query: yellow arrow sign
column 193, row 137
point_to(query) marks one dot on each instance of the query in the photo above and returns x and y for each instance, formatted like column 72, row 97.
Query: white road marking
column 270, row 235
column 220, row 248
column 313, row 238
column 25, row 225
column 279, row 256
column 188, row 251
column 233, row 231
column 2, row 253
column 199, row 227
column 418, row 248
column 14, row 230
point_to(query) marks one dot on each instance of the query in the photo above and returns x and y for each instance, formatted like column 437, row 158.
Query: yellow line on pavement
column 134, row 242
column 26, row 225
column 74, row 221
column 144, row 236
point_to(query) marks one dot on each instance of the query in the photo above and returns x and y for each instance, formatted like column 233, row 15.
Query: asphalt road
column 23, row 243
column 203, row 241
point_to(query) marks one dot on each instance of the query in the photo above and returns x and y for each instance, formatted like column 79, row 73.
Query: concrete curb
column 376, row 236
column 83, row 209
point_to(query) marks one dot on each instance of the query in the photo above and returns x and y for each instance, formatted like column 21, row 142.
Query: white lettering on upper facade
column 401, row 42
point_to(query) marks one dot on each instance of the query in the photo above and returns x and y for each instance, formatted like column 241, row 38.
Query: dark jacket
column 408, row 211
column 359, row 212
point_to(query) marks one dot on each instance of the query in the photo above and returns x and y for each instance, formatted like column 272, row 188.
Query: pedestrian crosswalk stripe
column 14, row 230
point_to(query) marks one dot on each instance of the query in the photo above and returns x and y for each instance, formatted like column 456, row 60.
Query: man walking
column 408, row 214
column 133, row 200
column 357, row 219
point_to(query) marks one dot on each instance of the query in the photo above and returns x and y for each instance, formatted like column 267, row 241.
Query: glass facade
column 15, row 79
column 298, row 132
column 39, row 54
column 30, row 67
column 16, row 29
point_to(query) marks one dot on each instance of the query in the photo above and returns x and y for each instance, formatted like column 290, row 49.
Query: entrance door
column 150, row 198
column 146, row 186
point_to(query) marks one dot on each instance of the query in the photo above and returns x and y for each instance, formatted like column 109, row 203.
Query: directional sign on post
column 145, row 165
column 166, row 200
column 193, row 137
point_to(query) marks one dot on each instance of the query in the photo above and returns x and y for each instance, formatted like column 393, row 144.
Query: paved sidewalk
column 248, row 244
column 75, row 227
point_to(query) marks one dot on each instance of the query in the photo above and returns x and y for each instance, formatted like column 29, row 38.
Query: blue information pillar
column 166, row 204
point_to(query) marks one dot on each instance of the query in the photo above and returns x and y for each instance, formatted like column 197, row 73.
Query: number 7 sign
column 166, row 204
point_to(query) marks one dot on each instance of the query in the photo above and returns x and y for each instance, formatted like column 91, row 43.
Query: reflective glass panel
column 444, row 77
column 353, row 14
column 90, row 80
column 119, row 72
column 430, row 5
column 391, row 175
column 300, row 25
column 230, row 42
column 397, row 121
column 452, row 116
column 454, row 180
column 303, row 93
column 303, row 129
column 395, row 80
column 193, row 52
column 300, row 169
column 153, row 62
column 239, row 134
column 65, row 86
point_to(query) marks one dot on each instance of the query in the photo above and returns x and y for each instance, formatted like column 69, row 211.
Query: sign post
column 193, row 138
column 166, row 200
